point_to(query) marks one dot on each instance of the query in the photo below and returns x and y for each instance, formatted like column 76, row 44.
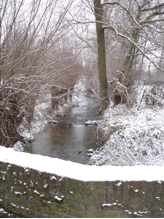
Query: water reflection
column 70, row 139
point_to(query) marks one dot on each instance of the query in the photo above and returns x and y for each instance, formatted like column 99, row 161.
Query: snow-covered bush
column 139, row 136
column 19, row 146
column 129, row 146
column 153, row 96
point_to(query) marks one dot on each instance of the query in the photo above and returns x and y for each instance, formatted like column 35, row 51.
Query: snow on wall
column 79, row 171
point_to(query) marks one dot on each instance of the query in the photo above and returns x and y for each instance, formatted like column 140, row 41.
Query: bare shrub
column 27, row 29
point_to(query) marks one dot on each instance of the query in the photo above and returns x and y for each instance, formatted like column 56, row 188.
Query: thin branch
column 127, row 11
column 135, row 44
column 153, row 8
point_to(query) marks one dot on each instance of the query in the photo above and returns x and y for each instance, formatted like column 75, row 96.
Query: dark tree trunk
column 103, row 86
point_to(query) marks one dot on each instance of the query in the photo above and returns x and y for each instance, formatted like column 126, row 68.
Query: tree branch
column 135, row 44
column 127, row 11
column 153, row 8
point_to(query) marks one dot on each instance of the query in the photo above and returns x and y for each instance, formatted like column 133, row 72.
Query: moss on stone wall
column 34, row 194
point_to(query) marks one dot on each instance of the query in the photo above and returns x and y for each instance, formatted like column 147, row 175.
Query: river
column 70, row 139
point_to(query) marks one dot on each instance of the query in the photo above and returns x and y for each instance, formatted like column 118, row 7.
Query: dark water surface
column 70, row 139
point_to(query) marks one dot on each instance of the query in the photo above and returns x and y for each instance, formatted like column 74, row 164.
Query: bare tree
column 133, row 23
column 29, row 30
column 103, row 88
column 67, row 72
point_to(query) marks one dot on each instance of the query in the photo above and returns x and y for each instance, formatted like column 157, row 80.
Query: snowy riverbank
column 135, row 136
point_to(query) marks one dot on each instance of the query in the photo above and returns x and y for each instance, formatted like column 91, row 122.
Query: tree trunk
column 103, row 86
column 128, row 63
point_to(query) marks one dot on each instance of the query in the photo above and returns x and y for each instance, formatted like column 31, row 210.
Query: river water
column 70, row 139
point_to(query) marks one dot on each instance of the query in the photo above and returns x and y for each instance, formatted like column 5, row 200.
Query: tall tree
column 103, row 86
column 136, row 25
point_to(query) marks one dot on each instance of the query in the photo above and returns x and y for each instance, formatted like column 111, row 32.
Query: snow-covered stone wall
column 79, row 171
column 56, row 188
column 31, row 193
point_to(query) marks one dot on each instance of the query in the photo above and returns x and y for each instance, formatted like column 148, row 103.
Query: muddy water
column 70, row 139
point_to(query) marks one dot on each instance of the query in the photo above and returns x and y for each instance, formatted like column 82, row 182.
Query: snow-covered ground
column 135, row 136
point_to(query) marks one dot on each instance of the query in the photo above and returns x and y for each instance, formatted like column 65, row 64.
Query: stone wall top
column 79, row 171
